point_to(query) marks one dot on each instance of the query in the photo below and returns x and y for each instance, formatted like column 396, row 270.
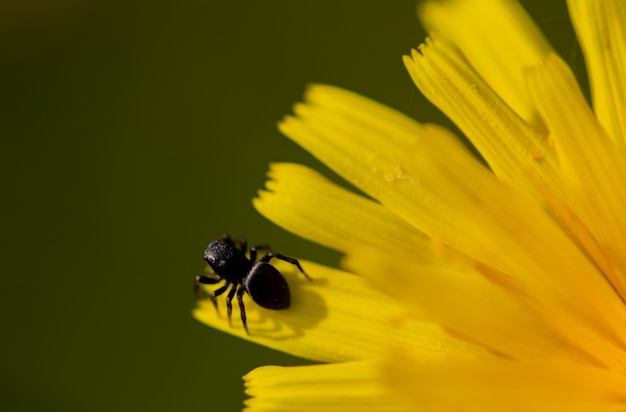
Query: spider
column 263, row 282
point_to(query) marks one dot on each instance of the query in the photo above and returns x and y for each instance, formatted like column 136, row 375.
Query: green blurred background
column 132, row 134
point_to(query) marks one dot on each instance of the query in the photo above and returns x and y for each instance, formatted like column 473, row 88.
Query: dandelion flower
column 466, row 285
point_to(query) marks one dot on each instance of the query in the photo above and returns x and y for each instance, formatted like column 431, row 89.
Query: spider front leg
column 206, row 280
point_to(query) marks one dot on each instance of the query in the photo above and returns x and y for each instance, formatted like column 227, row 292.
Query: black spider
column 262, row 281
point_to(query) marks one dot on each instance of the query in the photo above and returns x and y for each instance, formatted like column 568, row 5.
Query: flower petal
column 592, row 165
column 512, row 235
column 358, row 138
column 364, row 142
column 348, row 386
column 304, row 202
column 336, row 317
column 602, row 34
column 462, row 301
column 513, row 149
column 499, row 384
column 498, row 38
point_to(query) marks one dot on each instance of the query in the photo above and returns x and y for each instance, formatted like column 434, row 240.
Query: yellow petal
column 498, row 38
column 592, row 165
column 510, row 234
column 602, row 34
column 499, row 385
column 364, row 142
column 462, row 301
column 304, row 202
column 358, row 138
column 513, row 149
column 350, row 386
column 336, row 317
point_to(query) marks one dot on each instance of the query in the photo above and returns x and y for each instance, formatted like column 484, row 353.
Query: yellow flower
column 466, row 285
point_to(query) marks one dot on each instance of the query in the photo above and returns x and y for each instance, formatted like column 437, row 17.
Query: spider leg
column 225, row 237
column 241, row 244
column 288, row 259
column 255, row 248
column 213, row 296
column 242, row 308
column 204, row 280
column 229, row 305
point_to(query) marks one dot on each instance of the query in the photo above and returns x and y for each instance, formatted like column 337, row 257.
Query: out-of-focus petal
column 602, row 34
